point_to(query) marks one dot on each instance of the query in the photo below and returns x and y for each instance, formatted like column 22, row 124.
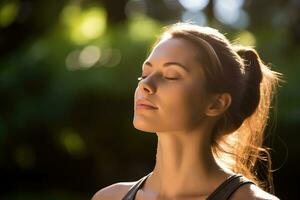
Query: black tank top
column 223, row 191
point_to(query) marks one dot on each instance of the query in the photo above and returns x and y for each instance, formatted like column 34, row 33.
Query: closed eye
column 169, row 78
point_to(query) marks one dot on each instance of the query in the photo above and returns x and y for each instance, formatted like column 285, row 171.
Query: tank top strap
column 228, row 187
column 134, row 189
column 223, row 191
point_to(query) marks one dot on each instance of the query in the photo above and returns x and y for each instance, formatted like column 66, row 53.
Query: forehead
column 175, row 50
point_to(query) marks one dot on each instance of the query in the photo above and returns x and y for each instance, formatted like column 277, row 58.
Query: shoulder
column 252, row 192
column 115, row 191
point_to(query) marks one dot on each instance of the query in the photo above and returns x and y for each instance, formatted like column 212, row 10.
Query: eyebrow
column 167, row 64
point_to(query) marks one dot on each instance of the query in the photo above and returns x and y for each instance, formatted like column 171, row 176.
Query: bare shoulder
column 115, row 191
column 252, row 192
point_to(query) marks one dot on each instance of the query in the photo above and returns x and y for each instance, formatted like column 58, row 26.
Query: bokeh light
column 111, row 58
column 198, row 18
column 230, row 12
column 84, row 24
column 72, row 60
column 194, row 5
column 89, row 56
column 245, row 38
column 8, row 13
column 72, row 142
column 142, row 28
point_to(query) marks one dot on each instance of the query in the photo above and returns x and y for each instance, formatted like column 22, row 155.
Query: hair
column 238, row 136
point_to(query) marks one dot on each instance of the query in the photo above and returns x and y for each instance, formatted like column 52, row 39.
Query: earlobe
column 219, row 104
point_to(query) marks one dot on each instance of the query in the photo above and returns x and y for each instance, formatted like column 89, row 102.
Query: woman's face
column 176, row 90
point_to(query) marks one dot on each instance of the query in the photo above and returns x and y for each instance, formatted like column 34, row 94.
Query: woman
column 208, row 102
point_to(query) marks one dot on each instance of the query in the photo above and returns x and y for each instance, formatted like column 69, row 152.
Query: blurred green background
column 68, row 71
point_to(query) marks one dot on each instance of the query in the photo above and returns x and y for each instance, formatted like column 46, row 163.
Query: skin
column 185, row 168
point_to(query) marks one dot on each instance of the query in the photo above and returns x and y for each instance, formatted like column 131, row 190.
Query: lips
column 145, row 104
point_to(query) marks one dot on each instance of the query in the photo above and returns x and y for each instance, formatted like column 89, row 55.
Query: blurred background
column 68, row 71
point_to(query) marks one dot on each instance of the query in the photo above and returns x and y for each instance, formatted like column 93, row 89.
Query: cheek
column 183, row 105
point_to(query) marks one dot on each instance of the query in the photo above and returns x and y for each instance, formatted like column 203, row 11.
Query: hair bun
column 252, row 64
column 253, row 78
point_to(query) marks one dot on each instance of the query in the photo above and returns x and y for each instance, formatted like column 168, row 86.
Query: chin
column 142, row 126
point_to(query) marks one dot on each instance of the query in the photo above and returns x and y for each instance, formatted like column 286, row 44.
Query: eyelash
column 143, row 77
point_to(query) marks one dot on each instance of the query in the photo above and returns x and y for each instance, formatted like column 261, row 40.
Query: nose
column 147, row 88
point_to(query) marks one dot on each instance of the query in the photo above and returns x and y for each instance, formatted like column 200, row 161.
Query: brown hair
column 237, row 139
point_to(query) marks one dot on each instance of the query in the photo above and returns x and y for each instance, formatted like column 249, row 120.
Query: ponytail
column 253, row 78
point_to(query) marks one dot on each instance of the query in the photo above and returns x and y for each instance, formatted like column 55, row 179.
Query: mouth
column 145, row 104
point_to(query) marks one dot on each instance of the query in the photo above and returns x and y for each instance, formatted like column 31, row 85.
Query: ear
column 219, row 104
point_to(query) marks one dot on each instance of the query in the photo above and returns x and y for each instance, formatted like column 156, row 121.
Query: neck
column 184, row 165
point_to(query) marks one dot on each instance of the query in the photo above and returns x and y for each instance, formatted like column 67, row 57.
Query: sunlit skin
column 186, row 113
column 183, row 123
